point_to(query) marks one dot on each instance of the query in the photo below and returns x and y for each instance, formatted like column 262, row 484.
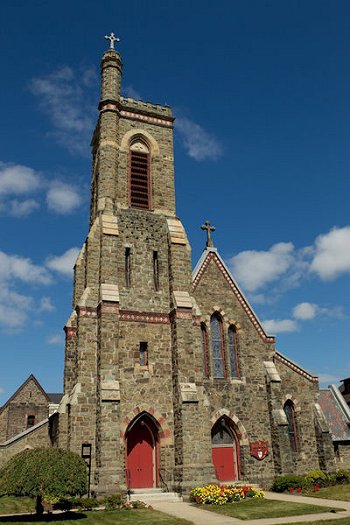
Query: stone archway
column 225, row 450
column 142, row 452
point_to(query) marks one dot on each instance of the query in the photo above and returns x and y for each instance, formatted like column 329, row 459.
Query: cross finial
column 112, row 38
column 206, row 226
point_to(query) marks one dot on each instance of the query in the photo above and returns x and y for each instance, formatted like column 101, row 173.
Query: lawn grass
column 13, row 505
column 338, row 492
column 250, row 509
column 120, row 517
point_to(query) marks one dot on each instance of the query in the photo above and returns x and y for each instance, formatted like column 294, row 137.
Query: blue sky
column 261, row 92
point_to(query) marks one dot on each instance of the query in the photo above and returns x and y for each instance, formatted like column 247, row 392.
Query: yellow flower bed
column 220, row 494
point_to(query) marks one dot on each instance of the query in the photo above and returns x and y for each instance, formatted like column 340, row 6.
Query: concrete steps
column 150, row 496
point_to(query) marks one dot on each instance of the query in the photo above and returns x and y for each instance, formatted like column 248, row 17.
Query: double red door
column 225, row 463
column 141, row 457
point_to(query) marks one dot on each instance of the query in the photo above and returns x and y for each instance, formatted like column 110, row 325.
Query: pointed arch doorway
column 225, row 450
column 142, row 452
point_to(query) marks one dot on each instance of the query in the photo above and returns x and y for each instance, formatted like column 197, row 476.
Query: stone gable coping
column 296, row 368
column 176, row 231
column 271, row 371
column 109, row 225
column 321, row 418
column 109, row 292
column 211, row 254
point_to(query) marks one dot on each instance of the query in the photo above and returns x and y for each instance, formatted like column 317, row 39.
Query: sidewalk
column 200, row 516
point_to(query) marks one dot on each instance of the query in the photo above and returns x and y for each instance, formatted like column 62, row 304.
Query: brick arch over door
column 239, row 427
column 164, row 433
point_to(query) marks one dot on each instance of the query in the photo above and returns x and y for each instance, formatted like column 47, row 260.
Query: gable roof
column 336, row 412
column 30, row 378
column 295, row 367
column 211, row 254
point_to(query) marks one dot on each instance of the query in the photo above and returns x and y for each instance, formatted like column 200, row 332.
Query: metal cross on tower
column 206, row 226
column 112, row 38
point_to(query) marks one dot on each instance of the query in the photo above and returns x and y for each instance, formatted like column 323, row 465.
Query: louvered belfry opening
column 139, row 176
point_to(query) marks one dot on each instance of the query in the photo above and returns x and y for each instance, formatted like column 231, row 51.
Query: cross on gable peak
column 207, row 226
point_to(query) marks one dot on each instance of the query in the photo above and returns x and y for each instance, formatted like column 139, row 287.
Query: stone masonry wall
column 39, row 437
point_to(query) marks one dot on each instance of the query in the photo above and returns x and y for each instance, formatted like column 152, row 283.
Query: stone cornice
column 144, row 317
column 146, row 113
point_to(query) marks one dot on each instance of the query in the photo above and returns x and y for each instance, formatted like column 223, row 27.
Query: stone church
column 170, row 379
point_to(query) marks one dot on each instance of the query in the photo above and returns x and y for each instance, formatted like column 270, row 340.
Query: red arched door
column 225, row 451
column 141, row 454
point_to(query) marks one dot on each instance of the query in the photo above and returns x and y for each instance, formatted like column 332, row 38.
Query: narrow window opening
column 289, row 410
column 156, row 270
column 205, row 351
column 30, row 421
column 143, row 353
column 128, row 267
column 232, row 346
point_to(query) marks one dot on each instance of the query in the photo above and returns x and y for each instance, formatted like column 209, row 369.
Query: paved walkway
column 204, row 517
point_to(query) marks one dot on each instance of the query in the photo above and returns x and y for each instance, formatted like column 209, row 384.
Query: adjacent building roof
column 337, row 413
column 55, row 397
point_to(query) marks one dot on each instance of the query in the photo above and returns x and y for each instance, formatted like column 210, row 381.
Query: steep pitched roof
column 295, row 367
column 30, row 378
column 336, row 412
column 55, row 397
column 211, row 254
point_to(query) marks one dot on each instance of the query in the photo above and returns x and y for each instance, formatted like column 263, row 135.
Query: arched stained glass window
column 232, row 346
column 205, row 350
column 289, row 410
column 217, row 346
column 139, row 176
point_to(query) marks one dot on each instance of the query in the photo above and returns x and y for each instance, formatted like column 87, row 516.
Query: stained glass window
column 232, row 346
column 221, row 435
column 217, row 346
column 292, row 429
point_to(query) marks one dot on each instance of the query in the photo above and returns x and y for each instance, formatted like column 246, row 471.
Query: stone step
column 150, row 496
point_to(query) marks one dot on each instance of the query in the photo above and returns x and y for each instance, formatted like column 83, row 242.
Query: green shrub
column 317, row 477
column 116, row 501
column 339, row 477
column 289, row 481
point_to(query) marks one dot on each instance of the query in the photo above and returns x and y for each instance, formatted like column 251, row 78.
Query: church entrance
column 225, row 450
column 141, row 445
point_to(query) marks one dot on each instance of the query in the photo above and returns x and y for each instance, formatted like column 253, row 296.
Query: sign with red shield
column 258, row 449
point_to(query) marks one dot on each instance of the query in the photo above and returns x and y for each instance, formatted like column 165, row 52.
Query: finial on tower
column 206, row 226
column 112, row 38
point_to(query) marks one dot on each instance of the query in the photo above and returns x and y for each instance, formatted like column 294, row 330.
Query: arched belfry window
column 232, row 347
column 289, row 410
column 139, row 175
column 217, row 346
column 205, row 350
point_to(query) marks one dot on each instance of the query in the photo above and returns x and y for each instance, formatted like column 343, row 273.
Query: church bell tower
column 129, row 339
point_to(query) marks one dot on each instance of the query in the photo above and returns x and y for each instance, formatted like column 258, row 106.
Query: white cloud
column 332, row 254
column 65, row 96
column 253, row 269
column 276, row 326
column 63, row 198
column 46, row 305
column 199, row 144
column 14, row 308
column 24, row 208
column 305, row 311
column 56, row 339
column 63, row 263
column 16, row 267
column 16, row 179
column 131, row 92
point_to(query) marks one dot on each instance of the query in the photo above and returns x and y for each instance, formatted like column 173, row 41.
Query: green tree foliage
column 45, row 473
